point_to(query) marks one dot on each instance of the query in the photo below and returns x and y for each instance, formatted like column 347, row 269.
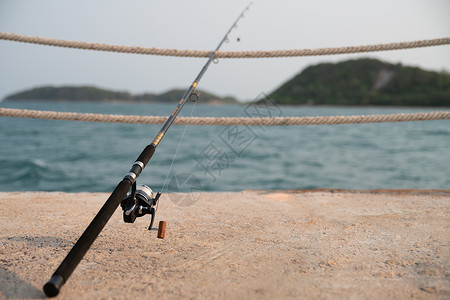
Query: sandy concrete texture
column 321, row 244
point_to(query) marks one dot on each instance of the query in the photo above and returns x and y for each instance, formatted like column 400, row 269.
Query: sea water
column 48, row 155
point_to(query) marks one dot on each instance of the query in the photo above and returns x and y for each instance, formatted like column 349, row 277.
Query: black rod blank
column 76, row 254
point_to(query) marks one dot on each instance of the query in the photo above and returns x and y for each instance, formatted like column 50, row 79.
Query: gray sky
column 200, row 25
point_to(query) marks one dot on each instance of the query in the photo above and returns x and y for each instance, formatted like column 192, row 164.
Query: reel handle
column 162, row 229
column 152, row 212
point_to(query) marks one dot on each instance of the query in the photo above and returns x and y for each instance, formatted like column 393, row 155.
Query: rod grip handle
column 146, row 154
column 88, row 237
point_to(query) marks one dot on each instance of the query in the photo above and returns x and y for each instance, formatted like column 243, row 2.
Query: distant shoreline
column 444, row 107
column 359, row 82
column 98, row 95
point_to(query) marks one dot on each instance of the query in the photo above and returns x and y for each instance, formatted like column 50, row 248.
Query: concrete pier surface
column 319, row 244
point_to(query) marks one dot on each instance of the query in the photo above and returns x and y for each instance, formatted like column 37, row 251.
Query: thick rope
column 222, row 54
column 277, row 121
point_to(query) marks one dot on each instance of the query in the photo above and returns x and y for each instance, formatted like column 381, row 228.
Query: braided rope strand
column 222, row 54
column 276, row 121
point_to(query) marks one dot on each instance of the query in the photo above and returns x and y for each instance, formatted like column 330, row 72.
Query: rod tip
column 52, row 287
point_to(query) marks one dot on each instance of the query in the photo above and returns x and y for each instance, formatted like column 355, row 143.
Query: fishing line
column 176, row 152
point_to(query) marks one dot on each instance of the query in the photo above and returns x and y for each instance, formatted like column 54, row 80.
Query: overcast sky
column 200, row 25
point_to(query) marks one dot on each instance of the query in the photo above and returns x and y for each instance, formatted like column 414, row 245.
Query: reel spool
column 139, row 203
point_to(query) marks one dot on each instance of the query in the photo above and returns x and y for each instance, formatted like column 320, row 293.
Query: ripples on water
column 76, row 157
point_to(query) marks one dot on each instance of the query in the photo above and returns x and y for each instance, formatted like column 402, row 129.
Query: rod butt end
column 52, row 287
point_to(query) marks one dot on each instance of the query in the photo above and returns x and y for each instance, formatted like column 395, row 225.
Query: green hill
column 69, row 93
column 365, row 82
column 94, row 94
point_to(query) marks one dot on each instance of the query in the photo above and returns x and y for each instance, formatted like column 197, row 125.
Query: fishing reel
column 138, row 203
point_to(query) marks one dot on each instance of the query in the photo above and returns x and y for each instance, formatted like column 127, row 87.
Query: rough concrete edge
column 436, row 192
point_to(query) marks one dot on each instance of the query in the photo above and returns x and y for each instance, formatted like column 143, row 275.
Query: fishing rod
column 135, row 204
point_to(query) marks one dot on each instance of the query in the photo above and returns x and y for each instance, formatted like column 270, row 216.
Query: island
column 365, row 82
column 95, row 94
column 353, row 82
